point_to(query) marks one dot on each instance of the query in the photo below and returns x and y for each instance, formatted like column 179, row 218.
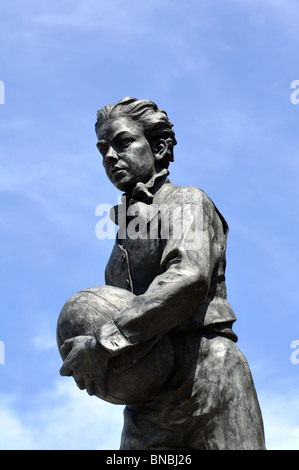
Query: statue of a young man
column 175, row 267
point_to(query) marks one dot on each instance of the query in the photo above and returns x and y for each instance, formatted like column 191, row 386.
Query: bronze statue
column 159, row 336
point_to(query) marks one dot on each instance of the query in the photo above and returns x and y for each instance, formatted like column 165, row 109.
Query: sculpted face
column 127, row 154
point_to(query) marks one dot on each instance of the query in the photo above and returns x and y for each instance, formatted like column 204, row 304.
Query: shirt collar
column 142, row 192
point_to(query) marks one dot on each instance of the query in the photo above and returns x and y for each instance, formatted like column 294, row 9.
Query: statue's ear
column 160, row 148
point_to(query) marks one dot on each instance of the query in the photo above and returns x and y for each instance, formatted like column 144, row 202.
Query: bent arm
column 172, row 297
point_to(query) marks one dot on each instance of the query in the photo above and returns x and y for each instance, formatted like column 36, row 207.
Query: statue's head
column 136, row 140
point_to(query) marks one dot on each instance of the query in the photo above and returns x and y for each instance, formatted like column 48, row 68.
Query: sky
column 222, row 69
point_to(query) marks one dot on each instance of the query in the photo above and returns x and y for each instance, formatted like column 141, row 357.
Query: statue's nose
column 111, row 156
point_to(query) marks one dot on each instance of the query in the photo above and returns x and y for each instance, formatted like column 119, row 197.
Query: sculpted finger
column 65, row 371
column 69, row 364
column 80, row 382
column 90, row 387
column 67, row 346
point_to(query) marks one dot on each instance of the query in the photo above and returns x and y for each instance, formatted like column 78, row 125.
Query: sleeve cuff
column 111, row 339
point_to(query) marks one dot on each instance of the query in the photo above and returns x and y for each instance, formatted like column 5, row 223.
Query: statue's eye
column 103, row 148
column 124, row 142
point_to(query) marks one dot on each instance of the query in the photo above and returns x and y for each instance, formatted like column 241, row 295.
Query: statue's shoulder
column 184, row 194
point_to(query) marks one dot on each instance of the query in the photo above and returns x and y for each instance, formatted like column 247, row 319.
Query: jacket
column 170, row 251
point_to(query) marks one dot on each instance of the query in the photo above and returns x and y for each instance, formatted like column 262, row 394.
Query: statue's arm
column 173, row 295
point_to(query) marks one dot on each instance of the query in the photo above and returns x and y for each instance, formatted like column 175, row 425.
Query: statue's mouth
column 117, row 172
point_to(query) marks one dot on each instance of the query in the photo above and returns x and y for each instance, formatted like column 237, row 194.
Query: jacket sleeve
column 187, row 265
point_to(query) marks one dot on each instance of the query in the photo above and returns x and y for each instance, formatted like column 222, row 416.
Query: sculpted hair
column 154, row 120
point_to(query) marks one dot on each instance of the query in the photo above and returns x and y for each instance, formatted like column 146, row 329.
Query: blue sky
column 222, row 69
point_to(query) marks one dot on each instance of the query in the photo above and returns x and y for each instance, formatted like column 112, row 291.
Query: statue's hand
column 85, row 359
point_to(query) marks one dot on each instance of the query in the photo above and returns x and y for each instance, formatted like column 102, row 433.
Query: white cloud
column 285, row 13
column 13, row 434
column 44, row 338
column 280, row 413
column 136, row 30
column 62, row 418
column 58, row 190
column 115, row 17
column 66, row 418
column 91, row 14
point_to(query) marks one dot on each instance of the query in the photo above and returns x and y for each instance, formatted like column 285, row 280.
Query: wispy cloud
column 61, row 418
column 93, row 14
column 67, row 57
column 280, row 414
column 44, row 335
column 67, row 418
column 285, row 14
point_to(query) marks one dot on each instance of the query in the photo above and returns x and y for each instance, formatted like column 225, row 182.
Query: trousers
column 210, row 402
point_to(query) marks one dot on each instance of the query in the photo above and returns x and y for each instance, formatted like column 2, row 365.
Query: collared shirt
column 170, row 252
